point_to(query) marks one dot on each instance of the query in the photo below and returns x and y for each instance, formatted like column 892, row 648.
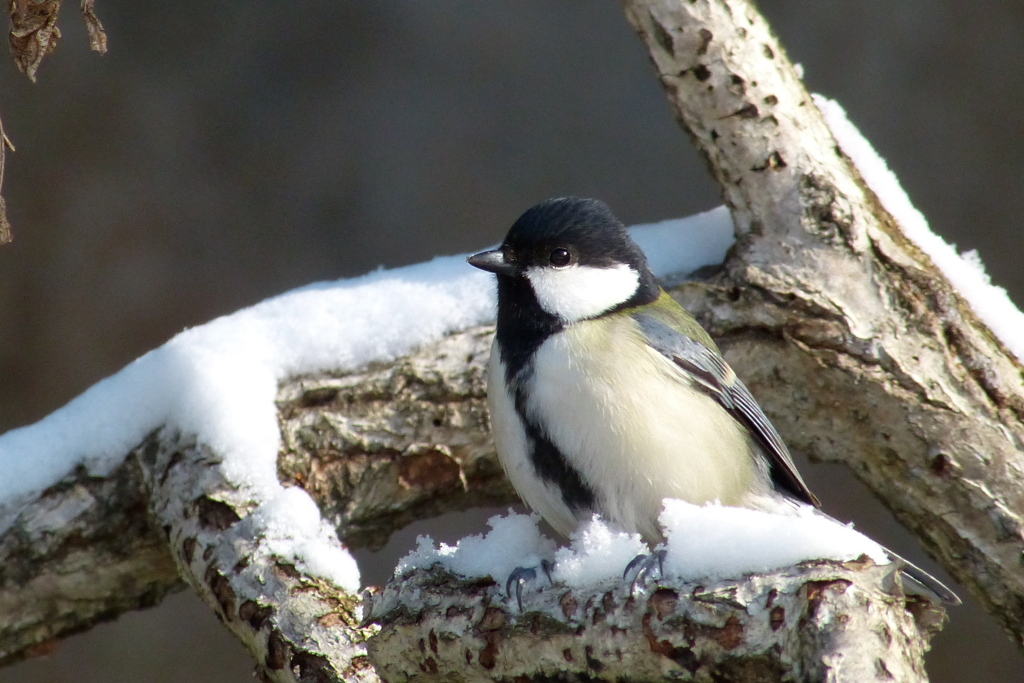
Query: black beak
column 493, row 262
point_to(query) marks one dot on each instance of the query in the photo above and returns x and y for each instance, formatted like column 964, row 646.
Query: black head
column 574, row 258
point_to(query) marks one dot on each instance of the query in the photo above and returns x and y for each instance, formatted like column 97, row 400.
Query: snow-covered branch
column 821, row 621
column 269, row 568
column 375, row 447
column 381, row 447
column 734, row 596
column 858, row 346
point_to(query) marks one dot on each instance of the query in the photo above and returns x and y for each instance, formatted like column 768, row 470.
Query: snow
column 965, row 272
column 715, row 541
column 709, row 541
column 289, row 525
column 218, row 382
column 683, row 245
column 513, row 541
column 595, row 554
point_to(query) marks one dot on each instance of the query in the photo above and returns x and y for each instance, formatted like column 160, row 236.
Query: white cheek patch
column 579, row 292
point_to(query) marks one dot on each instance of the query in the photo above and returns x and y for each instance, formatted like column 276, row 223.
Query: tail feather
column 927, row 583
column 919, row 579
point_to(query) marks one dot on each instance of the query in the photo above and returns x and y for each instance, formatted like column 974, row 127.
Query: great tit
column 606, row 396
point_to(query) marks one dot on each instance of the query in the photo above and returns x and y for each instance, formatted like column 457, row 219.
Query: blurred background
column 224, row 152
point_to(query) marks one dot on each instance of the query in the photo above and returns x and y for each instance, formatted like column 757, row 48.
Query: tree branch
column 376, row 448
column 821, row 621
column 397, row 442
column 5, row 226
column 858, row 347
column 298, row 626
column 82, row 553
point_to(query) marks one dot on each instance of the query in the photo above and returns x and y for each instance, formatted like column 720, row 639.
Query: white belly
column 630, row 425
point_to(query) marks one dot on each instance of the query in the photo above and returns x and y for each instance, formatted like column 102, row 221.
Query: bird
column 606, row 396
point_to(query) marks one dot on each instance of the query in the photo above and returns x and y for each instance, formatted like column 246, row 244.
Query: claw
column 547, row 566
column 643, row 565
column 521, row 575
column 632, row 564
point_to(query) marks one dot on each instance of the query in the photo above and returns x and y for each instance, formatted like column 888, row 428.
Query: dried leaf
column 34, row 32
column 97, row 36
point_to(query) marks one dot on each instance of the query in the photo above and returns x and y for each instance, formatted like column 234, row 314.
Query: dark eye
column 560, row 257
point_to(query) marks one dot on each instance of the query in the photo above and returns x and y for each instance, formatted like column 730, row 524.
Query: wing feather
column 712, row 374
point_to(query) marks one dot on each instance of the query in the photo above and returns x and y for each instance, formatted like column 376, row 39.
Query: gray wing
column 714, row 376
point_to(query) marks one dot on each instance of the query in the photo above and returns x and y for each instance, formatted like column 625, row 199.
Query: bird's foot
column 643, row 564
column 520, row 576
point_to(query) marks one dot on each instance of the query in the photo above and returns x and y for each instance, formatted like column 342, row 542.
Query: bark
column 380, row 448
column 82, row 553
